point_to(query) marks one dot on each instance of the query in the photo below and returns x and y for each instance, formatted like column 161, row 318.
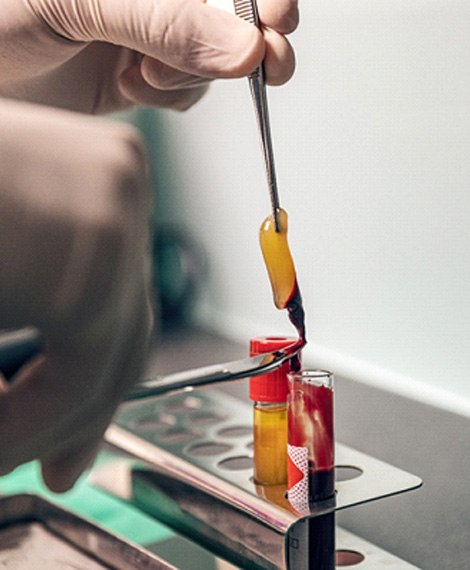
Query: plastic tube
column 269, row 394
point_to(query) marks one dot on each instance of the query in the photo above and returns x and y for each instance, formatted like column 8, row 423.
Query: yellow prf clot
column 278, row 258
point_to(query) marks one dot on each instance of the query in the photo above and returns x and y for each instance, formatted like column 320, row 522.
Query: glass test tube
column 310, row 438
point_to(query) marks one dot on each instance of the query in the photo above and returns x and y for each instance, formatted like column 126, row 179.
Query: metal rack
column 197, row 478
column 35, row 533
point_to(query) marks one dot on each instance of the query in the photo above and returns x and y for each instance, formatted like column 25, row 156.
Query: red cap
column 272, row 386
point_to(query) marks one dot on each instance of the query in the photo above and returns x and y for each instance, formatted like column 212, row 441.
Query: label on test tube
column 297, row 475
column 310, row 438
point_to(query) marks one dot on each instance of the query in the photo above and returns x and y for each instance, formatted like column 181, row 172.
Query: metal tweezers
column 236, row 370
column 248, row 11
column 19, row 346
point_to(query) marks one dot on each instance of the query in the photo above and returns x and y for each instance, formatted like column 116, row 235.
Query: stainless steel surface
column 200, row 450
column 401, row 431
column 374, row 557
column 215, row 524
column 229, row 371
column 32, row 545
column 34, row 533
column 252, row 546
column 247, row 10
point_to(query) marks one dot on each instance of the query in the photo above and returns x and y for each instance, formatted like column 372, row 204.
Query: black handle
column 16, row 348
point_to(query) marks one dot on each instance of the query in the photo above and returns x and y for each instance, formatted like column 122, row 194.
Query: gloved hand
column 73, row 263
column 98, row 56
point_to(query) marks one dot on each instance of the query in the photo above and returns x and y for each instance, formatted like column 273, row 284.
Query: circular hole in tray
column 208, row 448
column 236, row 431
column 238, row 463
column 348, row 558
column 154, row 422
column 183, row 405
column 347, row 472
column 205, row 418
column 177, row 436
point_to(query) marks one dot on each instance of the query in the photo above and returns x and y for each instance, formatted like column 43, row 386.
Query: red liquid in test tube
column 310, row 439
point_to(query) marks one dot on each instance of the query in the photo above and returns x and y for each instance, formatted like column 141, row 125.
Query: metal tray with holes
column 200, row 447
column 35, row 533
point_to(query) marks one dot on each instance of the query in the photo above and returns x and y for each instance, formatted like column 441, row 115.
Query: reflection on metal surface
column 37, row 534
column 223, row 508
column 32, row 545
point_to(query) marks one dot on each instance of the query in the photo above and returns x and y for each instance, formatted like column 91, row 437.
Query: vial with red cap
column 269, row 393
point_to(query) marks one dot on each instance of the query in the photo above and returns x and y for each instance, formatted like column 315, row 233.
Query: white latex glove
column 73, row 263
column 100, row 55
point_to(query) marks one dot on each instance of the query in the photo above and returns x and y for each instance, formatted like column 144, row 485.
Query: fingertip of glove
column 62, row 472
column 57, row 481
column 225, row 46
column 240, row 58
column 282, row 15
column 279, row 62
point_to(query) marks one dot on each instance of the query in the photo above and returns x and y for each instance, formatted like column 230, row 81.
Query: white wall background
column 372, row 145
